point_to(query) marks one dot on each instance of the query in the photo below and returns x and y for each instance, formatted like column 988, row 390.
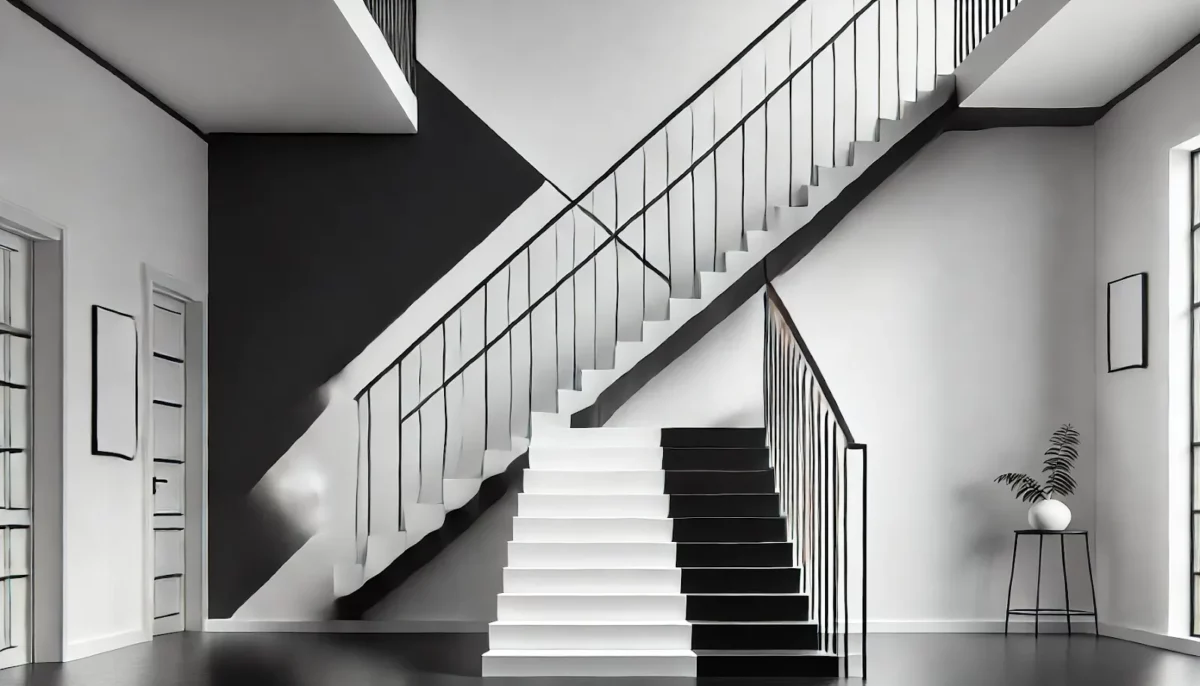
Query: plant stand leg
column 1037, row 602
column 1012, row 572
column 1062, row 547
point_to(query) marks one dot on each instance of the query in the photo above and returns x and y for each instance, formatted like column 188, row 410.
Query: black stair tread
column 795, row 652
column 751, row 622
column 754, row 594
column 706, row 569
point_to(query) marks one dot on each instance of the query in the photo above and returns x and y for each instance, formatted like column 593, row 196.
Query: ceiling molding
column 108, row 66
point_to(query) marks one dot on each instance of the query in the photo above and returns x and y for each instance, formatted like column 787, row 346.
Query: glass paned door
column 1194, row 524
column 16, row 487
column 167, row 442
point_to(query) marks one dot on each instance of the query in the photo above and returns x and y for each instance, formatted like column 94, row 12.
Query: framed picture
column 1128, row 328
column 114, row 383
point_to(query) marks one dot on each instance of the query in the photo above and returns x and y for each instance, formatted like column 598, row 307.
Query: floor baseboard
column 348, row 626
column 94, row 646
column 1175, row 644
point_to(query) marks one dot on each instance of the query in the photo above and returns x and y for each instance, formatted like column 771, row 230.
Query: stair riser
column 718, row 580
column 705, row 482
column 592, row 608
column 748, row 666
column 734, row 555
column 765, row 505
column 592, row 580
column 589, row 666
column 594, row 483
column 590, row 637
column 596, row 459
column 734, row 608
column 754, row 636
column 580, row 530
column 592, row 555
column 713, row 438
column 547, row 505
column 715, row 458
column 740, row 529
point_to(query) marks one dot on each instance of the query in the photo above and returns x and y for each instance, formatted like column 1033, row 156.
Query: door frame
column 46, row 432
column 195, row 540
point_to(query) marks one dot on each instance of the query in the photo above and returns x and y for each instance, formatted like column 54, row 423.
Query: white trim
column 196, row 449
column 94, row 646
column 28, row 223
column 48, row 282
column 346, row 626
column 1176, row 644
column 1022, row 625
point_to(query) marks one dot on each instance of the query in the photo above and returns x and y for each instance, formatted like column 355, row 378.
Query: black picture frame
column 97, row 449
column 1142, row 281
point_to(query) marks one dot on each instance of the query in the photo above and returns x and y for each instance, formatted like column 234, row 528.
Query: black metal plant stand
column 1038, row 611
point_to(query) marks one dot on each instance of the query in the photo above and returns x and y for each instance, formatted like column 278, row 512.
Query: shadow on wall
column 317, row 243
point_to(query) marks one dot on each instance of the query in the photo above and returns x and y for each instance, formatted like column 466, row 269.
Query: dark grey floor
column 453, row 660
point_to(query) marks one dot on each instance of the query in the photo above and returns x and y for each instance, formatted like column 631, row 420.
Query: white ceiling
column 250, row 65
column 1089, row 52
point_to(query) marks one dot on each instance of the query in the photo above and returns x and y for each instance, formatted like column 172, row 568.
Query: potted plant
column 1047, row 513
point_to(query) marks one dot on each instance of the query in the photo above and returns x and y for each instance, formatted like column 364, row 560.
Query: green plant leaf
column 1026, row 488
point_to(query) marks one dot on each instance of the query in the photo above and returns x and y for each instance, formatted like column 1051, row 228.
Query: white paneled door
column 167, row 450
column 16, row 467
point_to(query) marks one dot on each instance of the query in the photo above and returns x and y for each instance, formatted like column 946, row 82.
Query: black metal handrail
column 810, row 444
column 397, row 19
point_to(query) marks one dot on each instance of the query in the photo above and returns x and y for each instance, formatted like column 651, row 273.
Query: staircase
column 636, row 554
column 670, row 553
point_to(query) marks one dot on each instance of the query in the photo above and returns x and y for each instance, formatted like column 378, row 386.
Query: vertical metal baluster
column 716, row 195
column 899, row 69
column 692, row 188
column 487, row 396
column 529, row 317
column 854, row 85
column 507, row 322
column 399, row 445
column 667, row 199
column 812, row 106
column 370, row 467
column 616, row 265
column 833, row 156
column 575, row 366
column 791, row 121
column 916, row 50
column 445, row 404
column 554, row 282
column 595, row 260
column 420, row 427
column 645, row 243
column 766, row 135
column 742, row 126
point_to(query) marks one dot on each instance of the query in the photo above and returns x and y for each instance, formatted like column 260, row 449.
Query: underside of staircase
column 662, row 553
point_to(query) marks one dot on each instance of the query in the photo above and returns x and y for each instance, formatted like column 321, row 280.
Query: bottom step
column 766, row 663
column 605, row 663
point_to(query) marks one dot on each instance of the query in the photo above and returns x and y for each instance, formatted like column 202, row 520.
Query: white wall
column 952, row 314
column 129, row 183
column 1142, row 414
column 573, row 85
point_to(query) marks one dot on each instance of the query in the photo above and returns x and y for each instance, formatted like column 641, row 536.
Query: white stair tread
column 589, row 622
column 589, row 653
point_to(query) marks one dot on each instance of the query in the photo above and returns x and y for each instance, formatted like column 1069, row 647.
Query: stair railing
column 750, row 139
column 974, row 20
column 821, row 477
column 397, row 19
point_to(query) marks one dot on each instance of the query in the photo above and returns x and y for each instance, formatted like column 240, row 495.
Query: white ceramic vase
column 1049, row 515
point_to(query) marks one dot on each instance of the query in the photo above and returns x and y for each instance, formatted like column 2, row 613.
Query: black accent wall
column 316, row 244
